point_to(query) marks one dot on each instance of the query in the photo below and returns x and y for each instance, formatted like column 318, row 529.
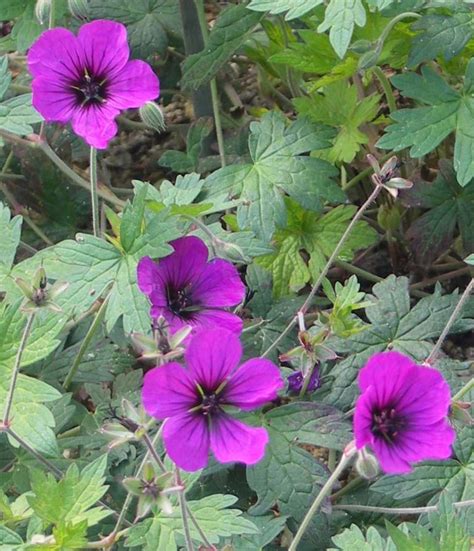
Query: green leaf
column 132, row 219
column 9, row 540
column 288, row 477
column 27, row 28
column 402, row 541
column 212, row 515
column 11, row 9
column 30, row 419
column 91, row 266
column 394, row 326
column 441, row 34
column 450, row 208
column 233, row 26
column 269, row 527
column 294, row 8
column 5, row 76
column 341, row 107
column 318, row 236
column 147, row 21
column 435, row 479
column 311, row 423
column 353, row 539
column 10, row 230
column 340, row 18
column 189, row 161
column 423, row 128
column 71, row 535
column 72, row 498
column 17, row 115
column 277, row 164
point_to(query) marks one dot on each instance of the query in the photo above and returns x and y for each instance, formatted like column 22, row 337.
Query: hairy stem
column 184, row 513
column 449, row 324
column 16, row 368
column 94, row 197
column 464, row 390
column 387, row 88
column 400, row 510
column 151, row 450
column 329, row 263
column 325, row 490
column 86, row 342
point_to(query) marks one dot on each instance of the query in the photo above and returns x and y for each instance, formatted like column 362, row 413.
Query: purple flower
column 295, row 381
column 195, row 401
column 188, row 290
column 88, row 79
column 401, row 413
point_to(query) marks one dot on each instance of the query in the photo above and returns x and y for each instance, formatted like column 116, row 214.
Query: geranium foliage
column 236, row 274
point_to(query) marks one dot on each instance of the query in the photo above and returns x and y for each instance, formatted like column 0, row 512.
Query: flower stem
column 213, row 85
column 329, row 263
column 184, row 513
column 464, row 390
column 86, row 342
column 151, row 449
column 387, row 88
column 94, row 196
column 400, row 510
column 451, row 320
column 16, row 368
column 345, row 460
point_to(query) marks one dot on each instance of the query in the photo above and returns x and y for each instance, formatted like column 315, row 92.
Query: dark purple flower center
column 90, row 89
column 386, row 423
column 180, row 302
column 296, row 379
column 210, row 404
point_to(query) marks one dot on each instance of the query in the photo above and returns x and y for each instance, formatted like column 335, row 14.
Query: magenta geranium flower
column 88, row 79
column 402, row 412
column 188, row 290
column 195, row 401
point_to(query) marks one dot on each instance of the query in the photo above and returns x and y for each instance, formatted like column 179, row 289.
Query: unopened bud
column 366, row 464
column 79, row 8
column 362, row 46
column 229, row 251
column 42, row 11
column 152, row 116
column 368, row 60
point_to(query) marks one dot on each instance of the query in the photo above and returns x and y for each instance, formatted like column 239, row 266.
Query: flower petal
column 254, row 384
column 53, row 100
column 133, row 86
column 232, row 440
column 390, row 460
column 95, row 123
column 168, row 390
column 219, row 285
column 388, row 372
column 211, row 356
column 218, row 318
column 428, row 442
column 363, row 418
column 55, row 56
column 103, row 46
column 183, row 266
column 186, row 439
column 148, row 276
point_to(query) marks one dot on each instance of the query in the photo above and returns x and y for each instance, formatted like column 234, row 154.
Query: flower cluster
column 88, row 80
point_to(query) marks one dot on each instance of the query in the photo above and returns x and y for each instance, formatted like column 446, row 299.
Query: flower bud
column 42, row 11
column 367, row 465
column 152, row 116
column 362, row 46
column 79, row 8
column 368, row 60
column 229, row 251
